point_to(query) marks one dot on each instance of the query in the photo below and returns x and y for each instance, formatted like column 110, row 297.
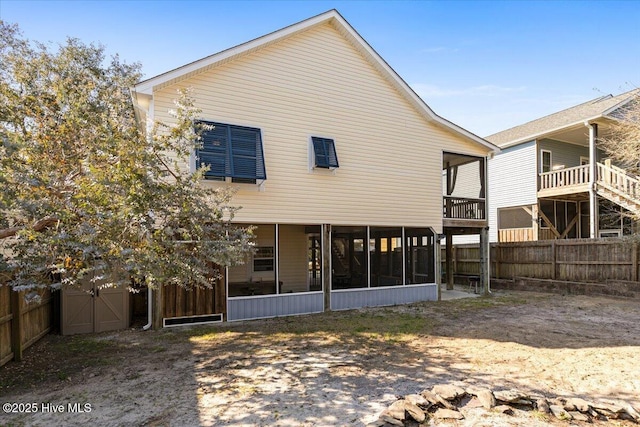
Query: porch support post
column 277, row 256
column 484, row 261
column 535, row 224
column 326, row 265
column 593, row 197
column 449, row 259
column 437, row 257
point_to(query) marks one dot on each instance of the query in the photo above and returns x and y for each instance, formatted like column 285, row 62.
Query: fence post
column 16, row 326
column 497, row 251
column 485, row 264
column 553, row 259
column 450, row 252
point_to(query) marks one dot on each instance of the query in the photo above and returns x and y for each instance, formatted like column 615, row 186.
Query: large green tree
column 87, row 191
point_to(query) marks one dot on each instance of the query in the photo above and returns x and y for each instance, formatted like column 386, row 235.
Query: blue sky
column 486, row 66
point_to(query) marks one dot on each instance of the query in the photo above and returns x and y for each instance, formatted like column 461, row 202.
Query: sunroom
column 299, row 269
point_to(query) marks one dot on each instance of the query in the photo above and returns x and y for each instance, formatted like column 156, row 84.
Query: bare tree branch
column 39, row 225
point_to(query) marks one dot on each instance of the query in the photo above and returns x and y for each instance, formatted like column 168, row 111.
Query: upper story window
column 545, row 161
column 324, row 152
column 231, row 152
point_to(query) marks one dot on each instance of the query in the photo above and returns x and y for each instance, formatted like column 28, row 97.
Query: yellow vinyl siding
column 316, row 83
column 293, row 267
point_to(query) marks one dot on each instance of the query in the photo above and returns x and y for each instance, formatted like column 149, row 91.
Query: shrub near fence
column 578, row 260
column 22, row 324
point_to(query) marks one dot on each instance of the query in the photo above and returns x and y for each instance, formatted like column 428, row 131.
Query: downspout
column 149, row 309
column 136, row 108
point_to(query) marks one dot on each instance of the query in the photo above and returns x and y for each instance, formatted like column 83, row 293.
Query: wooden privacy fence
column 579, row 260
column 21, row 323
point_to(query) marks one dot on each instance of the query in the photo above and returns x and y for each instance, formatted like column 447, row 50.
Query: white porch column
column 593, row 170
column 449, row 259
column 326, row 264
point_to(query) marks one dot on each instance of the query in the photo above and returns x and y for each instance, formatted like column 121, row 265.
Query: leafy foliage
column 89, row 195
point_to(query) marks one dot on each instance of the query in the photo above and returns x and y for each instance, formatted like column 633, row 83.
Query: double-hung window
column 231, row 152
column 545, row 161
column 324, row 151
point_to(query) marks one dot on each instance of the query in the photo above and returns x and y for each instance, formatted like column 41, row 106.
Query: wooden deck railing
column 564, row 177
column 618, row 180
column 608, row 176
column 464, row 208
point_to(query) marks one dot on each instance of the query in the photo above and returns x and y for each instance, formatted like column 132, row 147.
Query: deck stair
column 339, row 252
column 619, row 186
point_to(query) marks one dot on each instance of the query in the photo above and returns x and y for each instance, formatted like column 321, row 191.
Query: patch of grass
column 159, row 348
column 83, row 345
column 379, row 324
column 60, row 358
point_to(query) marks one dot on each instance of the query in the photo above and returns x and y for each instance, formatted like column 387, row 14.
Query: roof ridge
column 593, row 101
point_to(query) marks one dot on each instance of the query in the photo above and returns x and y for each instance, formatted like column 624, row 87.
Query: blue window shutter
column 324, row 150
column 246, row 153
column 231, row 151
column 214, row 151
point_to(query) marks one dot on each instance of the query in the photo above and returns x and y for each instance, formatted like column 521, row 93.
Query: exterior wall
column 316, row 83
column 244, row 308
column 293, row 270
column 513, row 181
column 562, row 153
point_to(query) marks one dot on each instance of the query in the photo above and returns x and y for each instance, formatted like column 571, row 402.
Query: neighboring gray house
column 551, row 180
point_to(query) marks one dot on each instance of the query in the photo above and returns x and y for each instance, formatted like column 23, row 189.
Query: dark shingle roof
column 588, row 110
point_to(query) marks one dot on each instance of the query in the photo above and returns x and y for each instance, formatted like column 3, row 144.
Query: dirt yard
column 333, row 369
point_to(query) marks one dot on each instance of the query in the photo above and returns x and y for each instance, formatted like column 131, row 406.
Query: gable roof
column 590, row 110
column 334, row 18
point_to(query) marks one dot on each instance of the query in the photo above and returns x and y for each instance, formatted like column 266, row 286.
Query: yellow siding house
column 338, row 163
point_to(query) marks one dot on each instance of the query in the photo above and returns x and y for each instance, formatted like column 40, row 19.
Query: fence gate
column 90, row 309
